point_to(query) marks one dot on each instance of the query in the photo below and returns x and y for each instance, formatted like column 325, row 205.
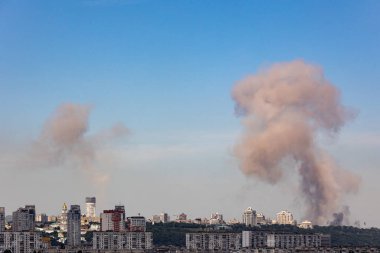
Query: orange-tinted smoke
column 283, row 108
column 65, row 141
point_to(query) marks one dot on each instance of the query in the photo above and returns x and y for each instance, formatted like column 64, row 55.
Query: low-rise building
column 306, row 224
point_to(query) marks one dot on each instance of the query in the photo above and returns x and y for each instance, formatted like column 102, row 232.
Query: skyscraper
column 24, row 219
column 73, row 226
column 249, row 217
column 2, row 219
column 91, row 207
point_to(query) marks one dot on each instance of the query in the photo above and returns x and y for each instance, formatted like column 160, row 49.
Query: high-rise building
column 249, row 217
column 91, row 207
column 63, row 218
column 24, row 219
column 73, row 226
column 112, row 220
column 2, row 219
column 284, row 218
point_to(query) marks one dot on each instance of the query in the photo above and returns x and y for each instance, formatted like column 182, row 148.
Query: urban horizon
column 337, row 220
column 224, row 116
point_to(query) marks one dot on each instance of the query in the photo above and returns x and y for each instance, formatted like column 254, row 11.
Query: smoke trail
column 64, row 142
column 283, row 109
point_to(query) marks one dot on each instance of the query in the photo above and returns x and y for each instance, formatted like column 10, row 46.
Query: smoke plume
column 64, row 142
column 284, row 108
column 341, row 218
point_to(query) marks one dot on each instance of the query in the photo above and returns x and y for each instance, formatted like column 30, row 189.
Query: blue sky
column 166, row 69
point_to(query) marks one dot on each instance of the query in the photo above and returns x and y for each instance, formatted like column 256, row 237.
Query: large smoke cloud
column 65, row 142
column 284, row 108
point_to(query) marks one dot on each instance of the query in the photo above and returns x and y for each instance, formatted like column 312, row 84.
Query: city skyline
column 152, row 83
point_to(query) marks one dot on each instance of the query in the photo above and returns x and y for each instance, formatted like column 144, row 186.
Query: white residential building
column 164, row 217
column 216, row 218
column 306, row 224
column 284, row 218
column 260, row 219
column 42, row 218
column 223, row 242
column 21, row 242
column 122, row 240
column 257, row 240
column 249, row 217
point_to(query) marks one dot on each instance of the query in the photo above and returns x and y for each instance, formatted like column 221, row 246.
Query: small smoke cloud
column 64, row 142
column 341, row 218
column 284, row 108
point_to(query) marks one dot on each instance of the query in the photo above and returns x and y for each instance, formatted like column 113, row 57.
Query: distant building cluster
column 26, row 232
column 112, row 230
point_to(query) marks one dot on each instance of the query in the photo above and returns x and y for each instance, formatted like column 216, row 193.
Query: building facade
column 112, row 220
column 62, row 219
column 41, row 218
column 137, row 224
column 216, row 218
column 284, row 218
column 122, row 240
column 213, row 241
column 164, row 217
column 257, row 240
column 21, row 242
column 2, row 219
column 249, row 217
column 91, row 207
column 24, row 219
column 73, row 226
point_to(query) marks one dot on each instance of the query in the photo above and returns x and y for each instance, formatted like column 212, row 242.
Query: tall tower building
column 24, row 219
column 63, row 218
column 73, row 226
column 249, row 217
column 91, row 207
column 2, row 219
